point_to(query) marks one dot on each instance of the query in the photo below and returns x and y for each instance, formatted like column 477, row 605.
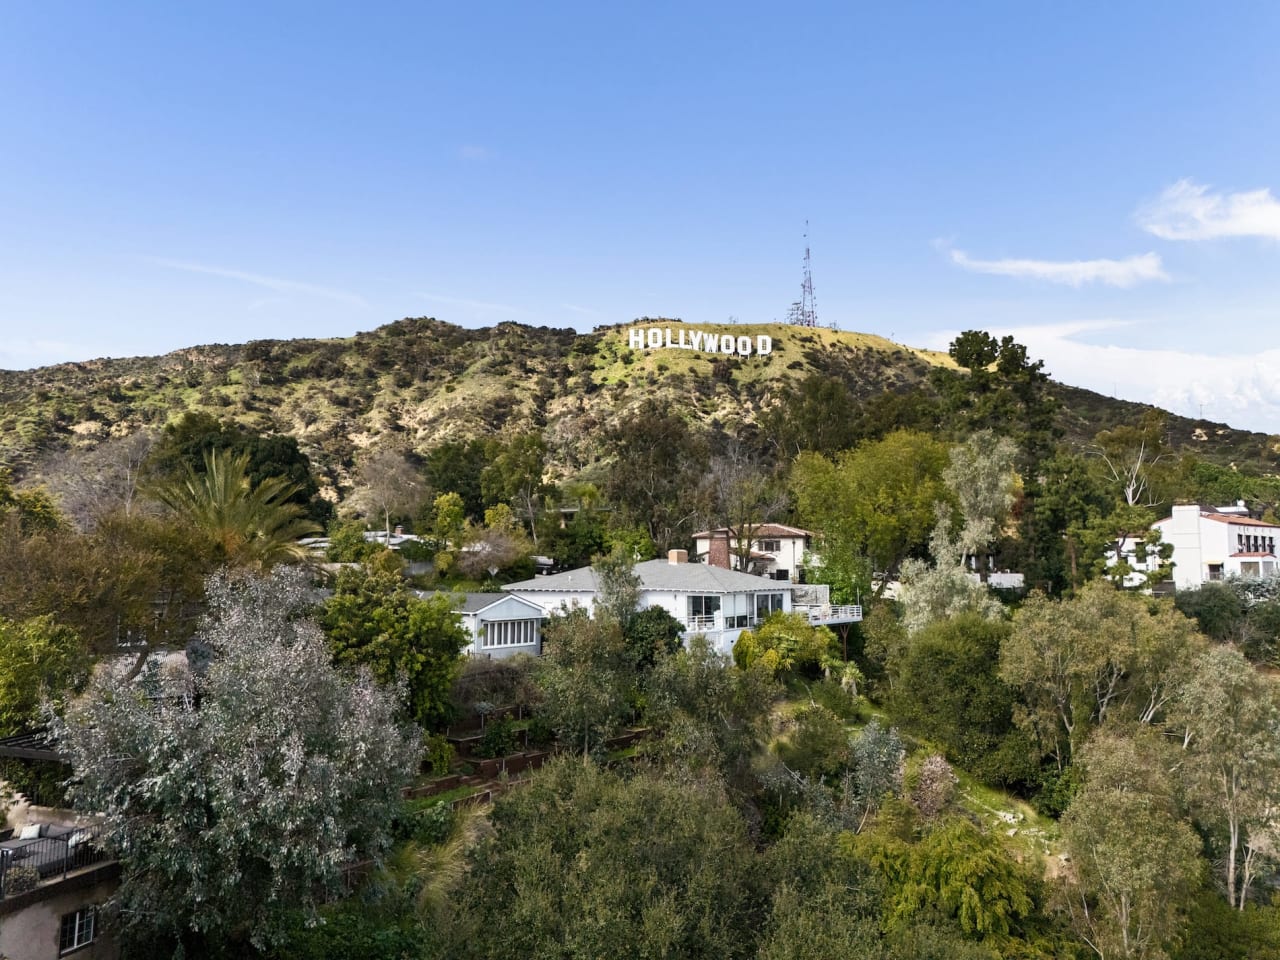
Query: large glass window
column 77, row 929
column 767, row 603
column 703, row 609
column 509, row 633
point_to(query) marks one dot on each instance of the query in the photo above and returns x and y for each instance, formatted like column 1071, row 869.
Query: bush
column 438, row 753
column 498, row 739
column 819, row 745
column 830, row 694
column 935, row 786
column 1056, row 790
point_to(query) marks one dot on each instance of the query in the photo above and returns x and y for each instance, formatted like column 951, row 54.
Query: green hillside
column 421, row 381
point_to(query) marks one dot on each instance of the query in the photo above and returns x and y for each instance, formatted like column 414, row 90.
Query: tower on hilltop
column 804, row 312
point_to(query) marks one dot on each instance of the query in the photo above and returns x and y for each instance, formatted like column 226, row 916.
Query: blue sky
column 1098, row 179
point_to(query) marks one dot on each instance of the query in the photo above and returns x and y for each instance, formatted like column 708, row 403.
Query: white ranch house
column 1215, row 543
column 499, row 624
column 706, row 599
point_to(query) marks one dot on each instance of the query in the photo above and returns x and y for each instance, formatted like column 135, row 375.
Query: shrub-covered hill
column 421, row 381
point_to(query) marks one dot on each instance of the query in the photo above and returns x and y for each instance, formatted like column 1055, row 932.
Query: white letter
column 668, row 336
column 655, row 337
column 726, row 343
column 764, row 344
column 683, row 344
column 695, row 340
column 635, row 339
column 744, row 346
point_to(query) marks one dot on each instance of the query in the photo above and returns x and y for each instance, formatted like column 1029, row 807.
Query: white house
column 706, row 599
column 499, row 624
column 1215, row 543
column 774, row 549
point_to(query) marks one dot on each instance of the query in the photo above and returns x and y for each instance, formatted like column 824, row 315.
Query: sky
column 1100, row 180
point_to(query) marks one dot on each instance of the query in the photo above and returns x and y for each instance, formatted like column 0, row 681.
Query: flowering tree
column 235, row 789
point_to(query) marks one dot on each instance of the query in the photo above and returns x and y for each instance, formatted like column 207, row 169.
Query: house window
column 509, row 633
column 1250, row 569
column 737, row 611
column 767, row 603
column 703, row 609
column 770, row 546
column 77, row 929
column 1215, row 571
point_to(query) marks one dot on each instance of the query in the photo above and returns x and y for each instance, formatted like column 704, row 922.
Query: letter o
column 727, row 343
column 744, row 346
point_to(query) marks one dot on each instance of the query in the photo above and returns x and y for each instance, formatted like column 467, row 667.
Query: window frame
column 83, row 927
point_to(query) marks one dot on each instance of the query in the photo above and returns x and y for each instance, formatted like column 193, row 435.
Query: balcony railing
column 816, row 614
column 50, row 858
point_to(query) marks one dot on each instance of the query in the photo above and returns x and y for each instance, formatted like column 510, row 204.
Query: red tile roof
column 1241, row 521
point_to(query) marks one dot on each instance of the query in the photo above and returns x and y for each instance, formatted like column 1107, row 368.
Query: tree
column 498, row 545
column 246, row 525
column 787, row 643
column 515, row 476
column 875, row 502
column 980, row 475
column 943, row 589
column 1135, row 861
column 1228, row 716
column 1133, row 455
column 584, row 863
column 374, row 621
column 90, row 484
column 235, row 793
column 1076, row 662
column 387, row 485
column 585, row 679
column 456, row 467
column 39, row 660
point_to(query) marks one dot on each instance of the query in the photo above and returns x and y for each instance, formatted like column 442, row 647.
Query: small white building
column 1216, row 543
column 706, row 599
column 774, row 549
column 499, row 624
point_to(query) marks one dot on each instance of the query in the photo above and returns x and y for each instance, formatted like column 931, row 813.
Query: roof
column 1239, row 521
column 474, row 602
column 762, row 530
column 657, row 575
column 1255, row 553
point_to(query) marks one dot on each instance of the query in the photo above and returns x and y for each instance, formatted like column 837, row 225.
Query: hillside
column 421, row 381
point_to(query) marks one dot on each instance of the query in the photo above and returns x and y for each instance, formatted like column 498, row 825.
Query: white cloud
column 1241, row 389
column 1074, row 273
column 257, row 279
column 1188, row 211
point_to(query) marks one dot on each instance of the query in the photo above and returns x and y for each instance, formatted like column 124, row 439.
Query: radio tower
column 804, row 312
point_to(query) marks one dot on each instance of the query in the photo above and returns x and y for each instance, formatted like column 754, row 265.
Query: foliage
column 235, row 795
column 876, row 755
column 1135, row 860
column 1078, row 661
column 33, row 509
column 498, row 739
column 948, row 692
column 1228, row 716
column 934, row 787
column 835, row 697
column 39, row 660
column 347, row 543
column 585, row 679
column 583, row 863
column 515, row 475
column 247, row 524
column 20, row 878
column 652, row 634
column 438, row 753
column 373, row 620
column 1216, row 931
column 388, row 485
column 874, row 502
column 787, row 643
column 818, row 746
column 501, row 544
column 456, row 467
column 943, row 589
column 618, row 590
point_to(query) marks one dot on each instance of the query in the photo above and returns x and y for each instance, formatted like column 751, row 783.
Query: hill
column 421, row 381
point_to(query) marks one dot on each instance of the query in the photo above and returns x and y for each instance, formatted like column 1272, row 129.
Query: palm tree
column 247, row 525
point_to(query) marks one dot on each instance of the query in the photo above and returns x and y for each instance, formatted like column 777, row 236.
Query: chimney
column 718, row 552
column 677, row 556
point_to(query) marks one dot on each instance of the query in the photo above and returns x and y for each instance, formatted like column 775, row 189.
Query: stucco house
column 769, row 549
column 706, row 599
column 1213, row 543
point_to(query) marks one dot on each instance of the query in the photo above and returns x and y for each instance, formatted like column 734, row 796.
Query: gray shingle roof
column 657, row 575
column 471, row 602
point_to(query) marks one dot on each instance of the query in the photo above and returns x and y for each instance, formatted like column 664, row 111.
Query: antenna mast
column 804, row 312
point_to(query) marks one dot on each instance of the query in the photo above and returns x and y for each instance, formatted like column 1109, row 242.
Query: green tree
column 456, row 467
column 374, row 621
column 1229, row 718
column 787, row 643
column 234, row 794
column 1135, row 859
column 515, row 475
column 585, row 678
column 583, row 863
column 39, row 659
column 874, row 503
column 246, row 525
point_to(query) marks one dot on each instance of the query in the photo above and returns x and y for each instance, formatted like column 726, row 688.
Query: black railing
column 25, row 864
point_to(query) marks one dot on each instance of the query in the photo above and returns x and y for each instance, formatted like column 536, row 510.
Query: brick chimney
column 718, row 552
column 677, row 556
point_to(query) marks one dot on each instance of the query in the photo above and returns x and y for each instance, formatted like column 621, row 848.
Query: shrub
column 438, row 753
column 498, row 739
column 833, row 696
column 935, row 786
column 20, row 879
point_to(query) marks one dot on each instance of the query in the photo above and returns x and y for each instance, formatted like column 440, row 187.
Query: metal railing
column 50, row 858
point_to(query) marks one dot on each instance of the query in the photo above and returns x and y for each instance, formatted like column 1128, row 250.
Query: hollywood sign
column 653, row 338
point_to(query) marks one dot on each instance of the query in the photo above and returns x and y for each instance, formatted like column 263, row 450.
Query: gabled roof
column 758, row 531
column 657, row 575
column 476, row 602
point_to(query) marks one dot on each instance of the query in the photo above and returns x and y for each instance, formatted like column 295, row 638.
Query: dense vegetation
column 1079, row 770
